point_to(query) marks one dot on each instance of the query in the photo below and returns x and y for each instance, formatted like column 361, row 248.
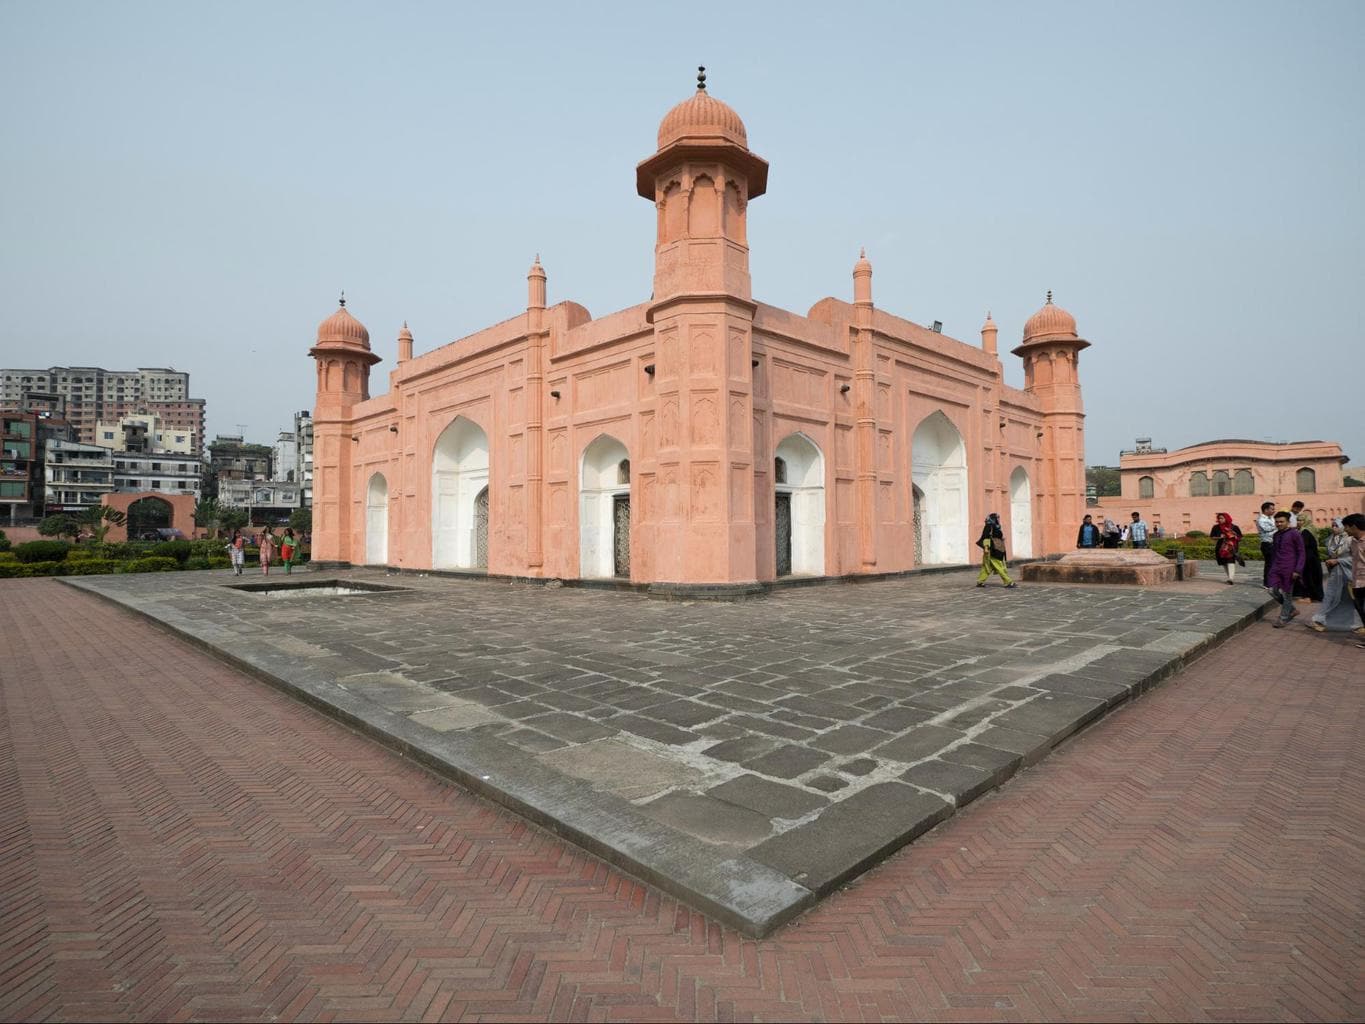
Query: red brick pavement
column 181, row 842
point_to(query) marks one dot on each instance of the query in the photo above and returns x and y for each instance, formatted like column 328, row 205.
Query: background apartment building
column 92, row 394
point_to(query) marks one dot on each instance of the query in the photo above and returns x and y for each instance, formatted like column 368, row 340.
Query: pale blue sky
column 192, row 184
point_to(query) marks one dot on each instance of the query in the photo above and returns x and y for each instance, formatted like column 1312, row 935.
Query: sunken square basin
column 293, row 590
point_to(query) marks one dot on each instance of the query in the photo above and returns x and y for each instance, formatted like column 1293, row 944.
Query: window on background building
column 1222, row 483
column 11, row 490
column 1306, row 481
column 1243, row 482
column 1146, row 487
column 1199, row 485
column 780, row 471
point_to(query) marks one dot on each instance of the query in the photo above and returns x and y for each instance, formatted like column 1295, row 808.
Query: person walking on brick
column 992, row 545
column 1265, row 529
column 1354, row 524
column 288, row 547
column 1310, row 580
column 1226, row 535
column 1338, row 609
column 267, row 550
column 1286, row 565
column 237, row 551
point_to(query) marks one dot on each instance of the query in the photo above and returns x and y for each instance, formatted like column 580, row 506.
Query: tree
column 59, row 525
column 230, row 517
column 301, row 519
column 99, row 519
column 1105, row 480
column 208, row 514
column 1350, row 481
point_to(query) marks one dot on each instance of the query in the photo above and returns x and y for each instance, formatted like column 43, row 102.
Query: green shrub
column 152, row 563
column 197, row 562
column 206, row 548
column 177, row 549
column 1195, row 533
column 90, row 567
column 43, row 550
column 4, row 541
column 219, row 562
column 8, row 556
column 23, row 570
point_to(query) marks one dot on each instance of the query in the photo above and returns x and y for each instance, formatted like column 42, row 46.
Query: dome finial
column 701, row 78
column 862, row 252
column 1049, row 297
column 343, row 298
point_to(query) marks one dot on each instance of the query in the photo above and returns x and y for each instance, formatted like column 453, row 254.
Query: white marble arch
column 805, row 482
column 377, row 521
column 459, row 471
column 604, row 475
column 1021, row 514
column 938, row 465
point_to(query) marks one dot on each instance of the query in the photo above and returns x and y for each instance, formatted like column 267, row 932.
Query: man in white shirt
column 1265, row 530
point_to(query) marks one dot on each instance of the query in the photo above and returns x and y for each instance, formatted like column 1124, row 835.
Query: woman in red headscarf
column 1227, row 535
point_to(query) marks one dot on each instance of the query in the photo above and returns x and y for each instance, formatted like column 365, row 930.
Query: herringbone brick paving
column 180, row 842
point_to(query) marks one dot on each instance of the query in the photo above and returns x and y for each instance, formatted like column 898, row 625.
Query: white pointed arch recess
column 459, row 471
column 938, row 463
column 1021, row 514
column 603, row 481
column 377, row 520
column 805, row 486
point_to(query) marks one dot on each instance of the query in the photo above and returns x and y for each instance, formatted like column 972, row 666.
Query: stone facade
column 1186, row 489
column 700, row 437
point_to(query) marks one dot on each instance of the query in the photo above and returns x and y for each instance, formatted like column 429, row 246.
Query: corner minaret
column 343, row 355
column 700, row 180
column 404, row 344
column 1051, row 351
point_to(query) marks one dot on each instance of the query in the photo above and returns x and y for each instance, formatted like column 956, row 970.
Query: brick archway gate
column 181, row 511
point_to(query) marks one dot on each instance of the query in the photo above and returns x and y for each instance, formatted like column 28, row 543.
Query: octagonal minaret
column 1051, row 352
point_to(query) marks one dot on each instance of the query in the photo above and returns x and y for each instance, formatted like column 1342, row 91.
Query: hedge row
column 12, row 568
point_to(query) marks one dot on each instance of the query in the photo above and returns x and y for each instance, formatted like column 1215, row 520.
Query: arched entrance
column 146, row 516
column 1021, row 514
column 459, row 474
column 939, row 469
column 604, row 509
column 377, row 521
column 799, row 482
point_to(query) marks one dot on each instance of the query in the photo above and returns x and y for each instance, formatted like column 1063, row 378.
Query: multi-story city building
column 92, row 394
column 232, row 458
column 303, row 432
column 162, row 472
column 145, row 432
column 268, row 502
column 21, row 480
column 76, row 476
column 286, row 459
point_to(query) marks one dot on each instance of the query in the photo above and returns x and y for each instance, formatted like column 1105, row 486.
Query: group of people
column 286, row 547
column 1296, row 568
column 1111, row 535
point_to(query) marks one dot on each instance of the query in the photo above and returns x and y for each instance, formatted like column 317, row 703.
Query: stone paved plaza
column 747, row 757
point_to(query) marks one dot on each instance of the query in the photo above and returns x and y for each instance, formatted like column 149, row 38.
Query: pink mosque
column 700, row 440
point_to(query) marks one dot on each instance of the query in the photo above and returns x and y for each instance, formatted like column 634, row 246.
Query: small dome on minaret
column 862, row 278
column 536, row 269
column 343, row 329
column 988, row 333
column 702, row 117
column 1050, row 323
column 404, row 343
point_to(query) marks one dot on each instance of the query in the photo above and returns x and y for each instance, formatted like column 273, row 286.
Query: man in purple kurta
column 1286, row 562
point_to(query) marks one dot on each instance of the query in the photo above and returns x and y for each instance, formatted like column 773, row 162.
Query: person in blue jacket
column 1089, row 535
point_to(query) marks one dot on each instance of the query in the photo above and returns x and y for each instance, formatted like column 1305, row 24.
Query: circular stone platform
column 1140, row 566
